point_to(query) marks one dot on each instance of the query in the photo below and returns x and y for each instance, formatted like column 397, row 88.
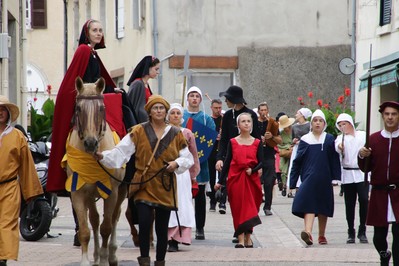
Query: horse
column 91, row 133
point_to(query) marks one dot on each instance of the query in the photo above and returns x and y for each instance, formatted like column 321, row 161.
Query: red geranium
column 347, row 91
column 320, row 102
column 341, row 99
column 310, row 94
column 327, row 106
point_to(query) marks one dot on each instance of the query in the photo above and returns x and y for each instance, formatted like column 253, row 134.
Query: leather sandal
column 239, row 246
column 250, row 244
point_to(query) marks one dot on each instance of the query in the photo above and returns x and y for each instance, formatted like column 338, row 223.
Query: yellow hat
column 156, row 99
column 12, row 108
column 284, row 121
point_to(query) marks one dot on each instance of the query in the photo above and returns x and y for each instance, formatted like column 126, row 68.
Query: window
column 138, row 14
column 385, row 12
column 38, row 19
column 119, row 19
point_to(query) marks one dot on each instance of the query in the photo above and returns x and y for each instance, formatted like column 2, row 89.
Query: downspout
column 353, row 55
column 4, row 63
column 24, row 57
column 155, row 39
column 65, row 35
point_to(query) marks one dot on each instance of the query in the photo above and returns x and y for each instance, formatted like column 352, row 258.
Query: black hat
column 388, row 104
column 234, row 95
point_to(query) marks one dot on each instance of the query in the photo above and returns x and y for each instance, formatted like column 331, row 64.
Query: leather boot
column 385, row 256
column 351, row 236
column 361, row 234
column 159, row 263
column 144, row 261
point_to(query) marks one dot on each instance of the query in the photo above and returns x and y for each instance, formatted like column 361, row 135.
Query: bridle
column 99, row 114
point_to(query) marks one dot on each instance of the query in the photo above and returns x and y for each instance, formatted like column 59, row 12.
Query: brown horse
column 88, row 182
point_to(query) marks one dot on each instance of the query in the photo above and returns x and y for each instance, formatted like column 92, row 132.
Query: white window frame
column 120, row 18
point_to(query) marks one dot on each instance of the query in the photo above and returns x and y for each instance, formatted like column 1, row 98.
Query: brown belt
column 8, row 180
column 386, row 187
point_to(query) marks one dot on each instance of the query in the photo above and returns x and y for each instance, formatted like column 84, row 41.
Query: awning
column 380, row 76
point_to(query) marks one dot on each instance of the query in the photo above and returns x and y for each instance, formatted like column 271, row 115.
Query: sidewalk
column 276, row 242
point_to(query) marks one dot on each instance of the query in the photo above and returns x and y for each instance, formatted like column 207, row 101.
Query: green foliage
column 331, row 117
column 41, row 124
column 330, row 112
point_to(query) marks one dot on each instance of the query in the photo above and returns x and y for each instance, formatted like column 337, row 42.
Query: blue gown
column 317, row 164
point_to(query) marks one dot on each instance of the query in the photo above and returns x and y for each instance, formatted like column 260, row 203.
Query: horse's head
column 90, row 113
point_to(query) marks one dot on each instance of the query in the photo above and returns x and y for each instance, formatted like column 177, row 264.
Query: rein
column 162, row 170
column 100, row 127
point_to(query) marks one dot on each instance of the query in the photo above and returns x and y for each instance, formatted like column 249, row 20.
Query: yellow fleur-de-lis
column 210, row 142
column 203, row 139
column 200, row 153
column 196, row 134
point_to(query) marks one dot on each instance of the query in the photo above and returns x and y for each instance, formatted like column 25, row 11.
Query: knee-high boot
column 159, row 263
column 144, row 261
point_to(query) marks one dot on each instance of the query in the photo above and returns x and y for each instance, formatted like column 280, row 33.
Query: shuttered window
column 385, row 12
column 38, row 14
column 120, row 19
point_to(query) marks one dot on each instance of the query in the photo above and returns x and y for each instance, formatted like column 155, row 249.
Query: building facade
column 377, row 36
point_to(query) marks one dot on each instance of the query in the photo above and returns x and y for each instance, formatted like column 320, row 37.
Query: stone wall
column 280, row 75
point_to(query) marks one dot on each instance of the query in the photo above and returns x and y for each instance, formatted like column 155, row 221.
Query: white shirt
column 121, row 153
column 352, row 145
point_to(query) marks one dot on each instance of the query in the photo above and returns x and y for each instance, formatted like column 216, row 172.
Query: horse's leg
column 112, row 259
column 78, row 202
column 94, row 218
column 129, row 217
column 106, row 225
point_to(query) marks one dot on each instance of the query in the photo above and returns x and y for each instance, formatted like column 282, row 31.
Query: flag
column 205, row 138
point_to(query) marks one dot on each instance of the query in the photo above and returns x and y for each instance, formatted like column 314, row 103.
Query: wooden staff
column 369, row 86
column 186, row 73
column 207, row 96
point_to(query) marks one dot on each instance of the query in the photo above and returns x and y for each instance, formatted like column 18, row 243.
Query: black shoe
column 290, row 195
column 351, row 236
column 385, row 256
column 199, row 234
column 268, row 212
column 173, row 246
column 284, row 192
column 363, row 238
column 213, row 207
column 235, row 241
column 222, row 208
column 361, row 234
column 3, row 262
column 76, row 241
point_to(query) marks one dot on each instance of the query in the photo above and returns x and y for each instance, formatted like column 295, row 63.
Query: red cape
column 63, row 113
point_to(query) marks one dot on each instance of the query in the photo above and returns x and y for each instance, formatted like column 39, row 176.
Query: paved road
column 276, row 242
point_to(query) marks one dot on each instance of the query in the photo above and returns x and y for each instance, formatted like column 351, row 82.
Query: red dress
column 245, row 192
column 63, row 113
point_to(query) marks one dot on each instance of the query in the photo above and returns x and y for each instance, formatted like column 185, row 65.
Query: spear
column 186, row 72
column 369, row 86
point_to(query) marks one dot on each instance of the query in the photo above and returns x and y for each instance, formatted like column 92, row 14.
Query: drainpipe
column 65, row 35
column 4, row 62
column 353, row 54
column 155, row 38
column 24, row 57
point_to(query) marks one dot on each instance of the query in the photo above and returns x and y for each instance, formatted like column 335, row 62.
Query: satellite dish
column 347, row 66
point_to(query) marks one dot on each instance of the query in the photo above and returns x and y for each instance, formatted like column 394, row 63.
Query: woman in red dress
column 243, row 160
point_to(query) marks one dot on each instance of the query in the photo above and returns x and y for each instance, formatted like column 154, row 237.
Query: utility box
column 4, row 44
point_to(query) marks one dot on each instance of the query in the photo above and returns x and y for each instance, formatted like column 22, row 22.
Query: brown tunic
column 15, row 160
column 159, row 191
